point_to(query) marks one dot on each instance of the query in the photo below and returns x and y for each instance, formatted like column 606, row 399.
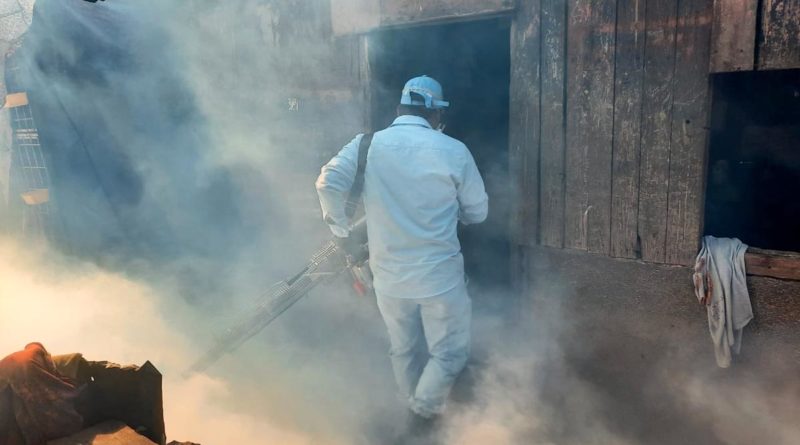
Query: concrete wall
column 634, row 337
column 632, row 353
column 655, row 305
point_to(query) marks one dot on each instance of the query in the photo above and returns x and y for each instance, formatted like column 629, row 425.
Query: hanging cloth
column 720, row 284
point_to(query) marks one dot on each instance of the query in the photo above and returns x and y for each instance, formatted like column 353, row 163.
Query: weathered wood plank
column 359, row 16
column 733, row 35
column 552, row 146
column 657, row 91
column 524, row 123
column 400, row 12
column 14, row 100
column 602, row 110
column 365, row 82
column 590, row 99
column 578, row 82
column 771, row 263
column 779, row 43
column 354, row 16
column 690, row 114
column 627, row 127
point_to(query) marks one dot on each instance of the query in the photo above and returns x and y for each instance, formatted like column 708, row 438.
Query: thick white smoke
column 71, row 306
column 320, row 374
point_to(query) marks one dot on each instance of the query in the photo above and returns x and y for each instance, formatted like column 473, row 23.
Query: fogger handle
column 358, row 261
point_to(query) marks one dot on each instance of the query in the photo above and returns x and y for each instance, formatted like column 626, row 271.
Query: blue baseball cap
column 428, row 88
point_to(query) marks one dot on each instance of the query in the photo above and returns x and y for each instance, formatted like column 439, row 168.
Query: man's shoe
column 421, row 424
column 420, row 430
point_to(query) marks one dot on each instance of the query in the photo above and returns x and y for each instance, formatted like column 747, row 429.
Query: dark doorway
column 472, row 61
column 754, row 159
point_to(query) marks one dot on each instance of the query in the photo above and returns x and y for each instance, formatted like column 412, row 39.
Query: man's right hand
column 347, row 244
column 355, row 251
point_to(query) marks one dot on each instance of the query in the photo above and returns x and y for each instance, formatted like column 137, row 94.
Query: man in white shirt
column 418, row 184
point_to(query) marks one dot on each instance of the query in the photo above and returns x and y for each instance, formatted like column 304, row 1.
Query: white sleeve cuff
column 339, row 231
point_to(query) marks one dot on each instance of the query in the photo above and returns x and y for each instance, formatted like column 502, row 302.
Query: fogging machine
column 330, row 261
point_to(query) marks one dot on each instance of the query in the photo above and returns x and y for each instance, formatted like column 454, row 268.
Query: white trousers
column 430, row 344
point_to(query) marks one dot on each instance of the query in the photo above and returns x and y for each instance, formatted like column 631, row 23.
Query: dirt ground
column 629, row 357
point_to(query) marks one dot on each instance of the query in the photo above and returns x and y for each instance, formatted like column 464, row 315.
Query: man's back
column 418, row 183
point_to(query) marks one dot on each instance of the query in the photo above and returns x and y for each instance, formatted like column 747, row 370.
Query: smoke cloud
column 183, row 194
column 75, row 307
column 181, row 200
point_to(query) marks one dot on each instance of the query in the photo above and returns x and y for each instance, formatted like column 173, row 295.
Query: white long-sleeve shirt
column 418, row 184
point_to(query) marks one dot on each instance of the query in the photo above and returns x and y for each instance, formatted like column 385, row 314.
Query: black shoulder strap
column 358, row 183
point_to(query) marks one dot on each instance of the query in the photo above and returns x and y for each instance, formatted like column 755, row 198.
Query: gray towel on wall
column 720, row 284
